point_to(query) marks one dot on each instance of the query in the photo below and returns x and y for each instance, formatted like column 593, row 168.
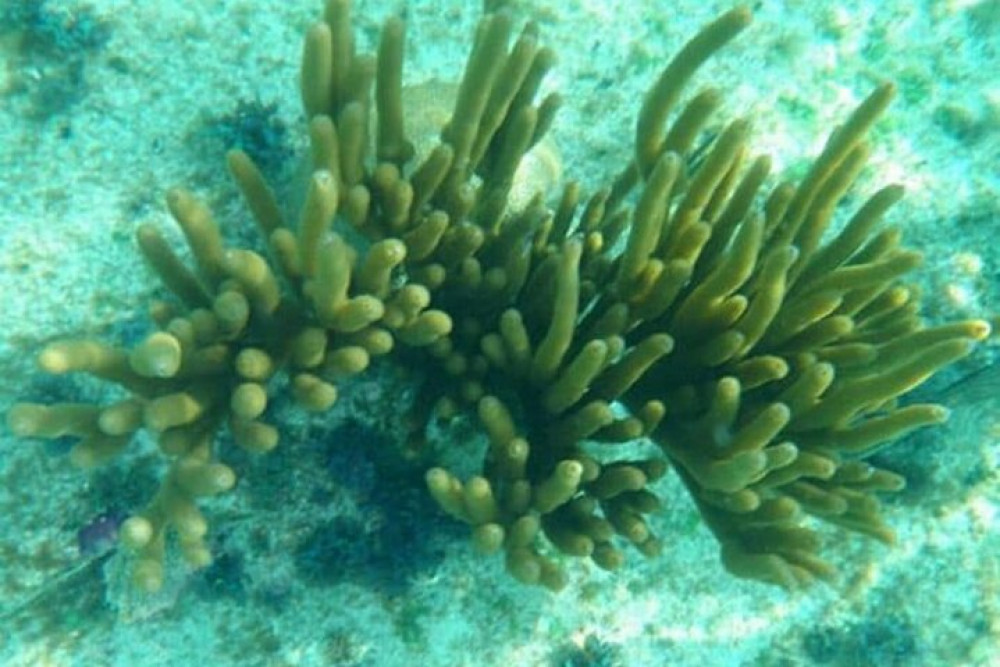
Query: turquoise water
column 327, row 554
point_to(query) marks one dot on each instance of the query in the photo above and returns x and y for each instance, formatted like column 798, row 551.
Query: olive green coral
column 762, row 349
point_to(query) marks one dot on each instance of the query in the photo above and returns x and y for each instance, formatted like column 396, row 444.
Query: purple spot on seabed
column 99, row 535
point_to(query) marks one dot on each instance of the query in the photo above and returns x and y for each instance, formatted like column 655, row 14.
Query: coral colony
column 688, row 302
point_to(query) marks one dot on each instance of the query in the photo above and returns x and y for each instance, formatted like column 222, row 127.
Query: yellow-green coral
column 761, row 351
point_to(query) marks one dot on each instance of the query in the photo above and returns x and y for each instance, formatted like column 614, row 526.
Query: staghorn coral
column 764, row 353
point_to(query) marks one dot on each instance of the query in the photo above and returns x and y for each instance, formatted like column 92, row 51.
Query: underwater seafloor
column 323, row 560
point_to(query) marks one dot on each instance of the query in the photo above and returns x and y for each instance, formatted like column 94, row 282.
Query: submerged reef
column 761, row 348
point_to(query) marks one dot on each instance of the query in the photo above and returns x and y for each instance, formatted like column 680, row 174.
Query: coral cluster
column 761, row 348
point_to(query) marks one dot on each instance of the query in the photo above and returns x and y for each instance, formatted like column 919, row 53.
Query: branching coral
column 763, row 351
